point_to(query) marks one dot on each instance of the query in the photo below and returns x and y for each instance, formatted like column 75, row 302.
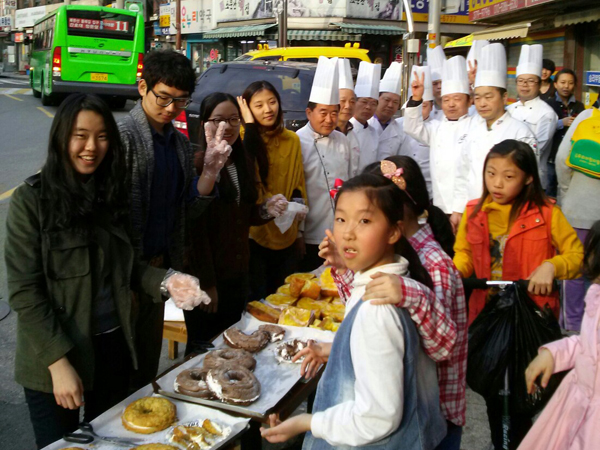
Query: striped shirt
column 231, row 169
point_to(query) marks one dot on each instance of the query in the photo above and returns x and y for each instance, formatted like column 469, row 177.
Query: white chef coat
column 472, row 110
column 325, row 158
column 354, row 152
column 416, row 150
column 368, row 140
column 389, row 139
column 445, row 139
column 541, row 119
column 469, row 181
column 436, row 113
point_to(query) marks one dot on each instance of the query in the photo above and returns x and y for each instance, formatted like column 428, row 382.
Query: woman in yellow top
column 273, row 255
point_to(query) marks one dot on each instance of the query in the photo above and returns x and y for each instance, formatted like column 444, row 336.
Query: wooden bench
column 174, row 332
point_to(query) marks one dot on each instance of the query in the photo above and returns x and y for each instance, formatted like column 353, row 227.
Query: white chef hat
column 392, row 79
column 345, row 74
column 435, row 61
column 428, row 91
column 530, row 60
column 367, row 80
column 325, row 88
column 491, row 68
column 475, row 52
column 455, row 78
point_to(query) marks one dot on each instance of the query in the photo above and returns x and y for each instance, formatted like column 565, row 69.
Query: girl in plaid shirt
column 442, row 324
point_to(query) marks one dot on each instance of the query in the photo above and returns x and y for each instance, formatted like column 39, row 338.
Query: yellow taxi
column 307, row 54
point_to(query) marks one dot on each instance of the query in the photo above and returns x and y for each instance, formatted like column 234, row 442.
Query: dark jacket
column 137, row 139
column 573, row 108
column 50, row 288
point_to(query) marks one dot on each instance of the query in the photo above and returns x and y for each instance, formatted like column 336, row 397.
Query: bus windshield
column 100, row 24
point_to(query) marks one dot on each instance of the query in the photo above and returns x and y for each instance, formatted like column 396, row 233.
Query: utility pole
column 120, row 4
column 433, row 27
column 410, row 48
column 178, row 25
column 282, row 22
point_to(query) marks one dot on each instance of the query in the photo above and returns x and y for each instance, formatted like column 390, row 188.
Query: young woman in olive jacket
column 71, row 267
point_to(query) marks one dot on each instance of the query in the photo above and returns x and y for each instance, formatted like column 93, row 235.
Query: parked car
column 292, row 80
column 308, row 54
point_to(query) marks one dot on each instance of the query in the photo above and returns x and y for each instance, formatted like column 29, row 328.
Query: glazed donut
column 192, row 382
column 229, row 356
column 155, row 447
column 251, row 342
column 286, row 351
column 149, row 415
column 276, row 332
column 234, row 385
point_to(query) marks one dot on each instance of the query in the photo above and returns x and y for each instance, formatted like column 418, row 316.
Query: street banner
column 483, row 9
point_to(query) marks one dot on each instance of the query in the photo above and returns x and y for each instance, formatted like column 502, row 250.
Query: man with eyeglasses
column 531, row 109
column 164, row 186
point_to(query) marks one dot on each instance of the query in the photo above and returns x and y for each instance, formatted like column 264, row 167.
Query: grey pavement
column 24, row 127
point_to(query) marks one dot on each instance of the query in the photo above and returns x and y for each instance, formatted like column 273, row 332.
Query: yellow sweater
column 286, row 174
column 566, row 263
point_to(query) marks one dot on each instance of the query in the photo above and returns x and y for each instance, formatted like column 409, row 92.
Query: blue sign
column 157, row 31
column 592, row 78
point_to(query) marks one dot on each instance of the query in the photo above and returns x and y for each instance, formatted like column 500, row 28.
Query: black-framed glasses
column 233, row 121
column 181, row 102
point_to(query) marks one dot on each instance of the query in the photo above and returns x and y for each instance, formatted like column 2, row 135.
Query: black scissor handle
column 87, row 427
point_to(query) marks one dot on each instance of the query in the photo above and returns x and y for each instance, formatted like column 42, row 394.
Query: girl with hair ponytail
column 380, row 389
column 425, row 227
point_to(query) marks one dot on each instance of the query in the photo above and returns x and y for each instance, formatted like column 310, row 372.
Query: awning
column 358, row 28
column 591, row 15
column 321, row 35
column 465, row 41
column 512, row 31
column 245, row 31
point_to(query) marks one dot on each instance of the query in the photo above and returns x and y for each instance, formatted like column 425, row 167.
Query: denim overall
column 423, row 425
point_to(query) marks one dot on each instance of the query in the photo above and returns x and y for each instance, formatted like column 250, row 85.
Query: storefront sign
column 420, row 11
column 10, row 4
column 5, row 21
column 483, row 9
column 196, row 16
column 375, row 9
column 592, row 78
column 165, row 15
column 234, row 10
column 19, row 37
column 26, row 17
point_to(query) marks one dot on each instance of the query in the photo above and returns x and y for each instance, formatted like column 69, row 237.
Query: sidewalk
column 14, row 75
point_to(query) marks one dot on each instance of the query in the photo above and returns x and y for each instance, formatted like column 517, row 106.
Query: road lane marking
column 48, row 113
column 7, row 194
column 16, row 91
column 14, row 98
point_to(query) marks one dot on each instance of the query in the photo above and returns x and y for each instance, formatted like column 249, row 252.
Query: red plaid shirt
column 441, row 319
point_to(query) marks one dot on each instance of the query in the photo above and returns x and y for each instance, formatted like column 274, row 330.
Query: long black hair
column 591, row 255
column 243, row 164
column 532, row 195
column 67, row 205
column 386, row 196
column 419, row 200
column 260, row 152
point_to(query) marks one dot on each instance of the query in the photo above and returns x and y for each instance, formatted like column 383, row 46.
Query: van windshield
column 293, row 85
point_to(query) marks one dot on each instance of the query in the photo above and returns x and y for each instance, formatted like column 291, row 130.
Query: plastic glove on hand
column 277, row 205
column 185, row 291
column 217, row 149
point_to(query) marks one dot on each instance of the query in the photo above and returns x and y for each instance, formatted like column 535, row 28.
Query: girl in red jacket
column 515, row 232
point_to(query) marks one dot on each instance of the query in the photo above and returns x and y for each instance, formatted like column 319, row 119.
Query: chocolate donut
column 235, row 385
column 276, row 332
column 251, row 342
column 192, row 382
column 286, row 351
column 230, row 357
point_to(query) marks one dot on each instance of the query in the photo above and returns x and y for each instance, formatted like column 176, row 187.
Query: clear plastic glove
column 184, row 290
column 217, row 149
column 285, row 220
column 277, row 205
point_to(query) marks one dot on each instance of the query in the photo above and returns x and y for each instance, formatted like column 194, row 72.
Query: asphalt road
column 24, row 128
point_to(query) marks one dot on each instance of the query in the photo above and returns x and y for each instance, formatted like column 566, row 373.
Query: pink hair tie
column 390, row 171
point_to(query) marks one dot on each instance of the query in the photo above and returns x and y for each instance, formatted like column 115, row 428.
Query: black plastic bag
column 507, row 335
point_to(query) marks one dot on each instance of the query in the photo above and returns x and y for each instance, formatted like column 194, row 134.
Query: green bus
column 92, row 49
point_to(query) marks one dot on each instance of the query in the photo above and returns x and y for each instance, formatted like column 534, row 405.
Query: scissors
column 87, row 435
